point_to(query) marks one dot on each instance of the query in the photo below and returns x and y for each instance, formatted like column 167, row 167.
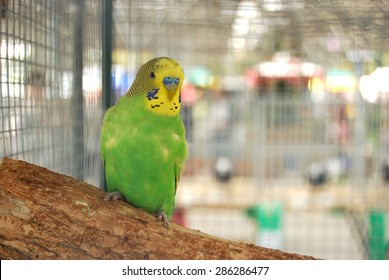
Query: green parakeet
column 142, row 143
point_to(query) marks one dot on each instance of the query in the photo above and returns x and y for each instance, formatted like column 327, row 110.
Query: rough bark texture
column 46, row 215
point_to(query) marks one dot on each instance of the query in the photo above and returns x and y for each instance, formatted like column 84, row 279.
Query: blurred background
column 286, row 107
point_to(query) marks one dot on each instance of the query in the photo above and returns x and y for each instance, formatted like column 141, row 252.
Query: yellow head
column 159, row 81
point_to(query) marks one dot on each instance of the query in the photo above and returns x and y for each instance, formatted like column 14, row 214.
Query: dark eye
column 152, row 75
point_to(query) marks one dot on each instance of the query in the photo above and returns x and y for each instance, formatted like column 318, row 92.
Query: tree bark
column 46, row 215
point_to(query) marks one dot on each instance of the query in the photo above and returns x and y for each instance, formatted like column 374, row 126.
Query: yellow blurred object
column 340, row 82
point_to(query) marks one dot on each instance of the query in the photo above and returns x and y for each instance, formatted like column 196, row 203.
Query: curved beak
column 171, row 84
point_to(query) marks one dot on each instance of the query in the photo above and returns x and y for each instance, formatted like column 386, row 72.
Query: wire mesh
column 287, row 149
column 47, row 96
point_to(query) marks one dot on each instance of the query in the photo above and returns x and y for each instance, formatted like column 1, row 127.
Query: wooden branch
column 46, row 215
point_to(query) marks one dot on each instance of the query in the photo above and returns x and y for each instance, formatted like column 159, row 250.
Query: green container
column 377, row 235
column 268, row 217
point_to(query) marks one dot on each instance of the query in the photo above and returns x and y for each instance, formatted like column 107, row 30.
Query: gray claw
column 161, row 216
column 114, row 196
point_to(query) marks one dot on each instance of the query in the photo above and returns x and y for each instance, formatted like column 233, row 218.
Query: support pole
column 106, row 36
column 78, row 98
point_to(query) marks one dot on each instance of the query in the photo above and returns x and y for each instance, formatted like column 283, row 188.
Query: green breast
column 143, row 154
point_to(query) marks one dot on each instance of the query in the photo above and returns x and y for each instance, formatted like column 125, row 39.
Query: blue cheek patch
column 152, row 94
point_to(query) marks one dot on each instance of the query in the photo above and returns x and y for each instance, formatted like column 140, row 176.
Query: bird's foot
column 161, row 216
column 114, row 196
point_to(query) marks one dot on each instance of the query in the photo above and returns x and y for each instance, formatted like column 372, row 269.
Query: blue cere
column 170, row 80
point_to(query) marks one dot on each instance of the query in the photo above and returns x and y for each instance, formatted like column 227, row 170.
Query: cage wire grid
column 44, row 101
column 313, row 160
